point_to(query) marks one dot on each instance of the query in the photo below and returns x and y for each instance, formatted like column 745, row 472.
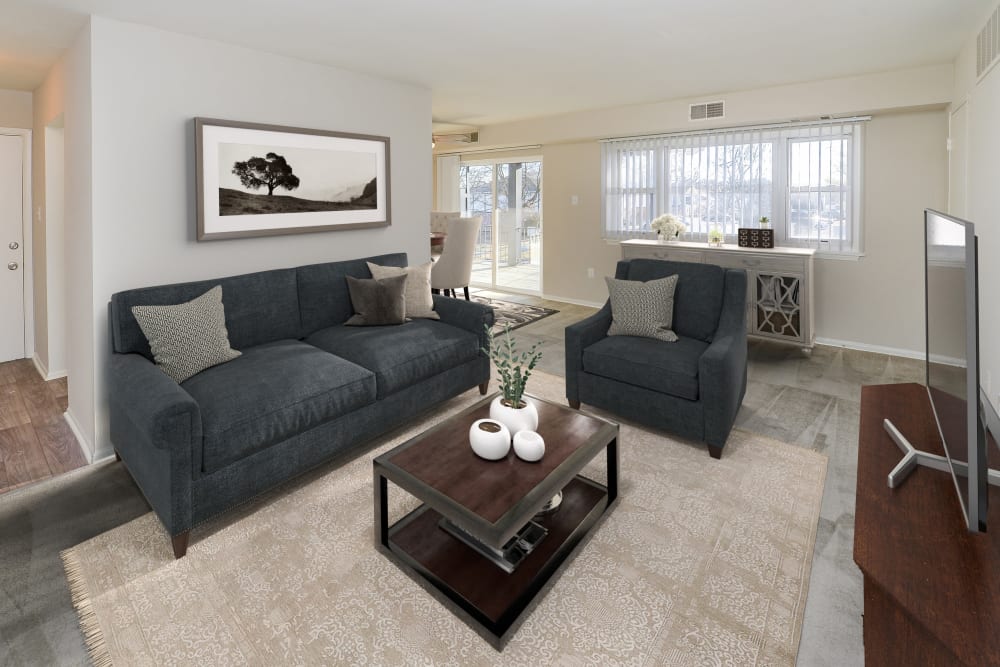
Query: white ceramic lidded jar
column 523, row 418
column 490, row 439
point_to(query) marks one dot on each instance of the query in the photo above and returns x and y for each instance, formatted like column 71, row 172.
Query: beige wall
column 873, row 302
column 15, row 109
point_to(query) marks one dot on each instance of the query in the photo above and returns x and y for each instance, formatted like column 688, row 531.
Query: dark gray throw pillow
column 643, row 308
column 189, row 337
column 377, row 301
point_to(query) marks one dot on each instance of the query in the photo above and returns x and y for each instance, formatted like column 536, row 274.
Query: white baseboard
column 81, row 439
column 44, row 371
column 867, row 347
column 575, row 302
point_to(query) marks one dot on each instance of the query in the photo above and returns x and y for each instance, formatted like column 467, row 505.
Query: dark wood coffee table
column 468, row 500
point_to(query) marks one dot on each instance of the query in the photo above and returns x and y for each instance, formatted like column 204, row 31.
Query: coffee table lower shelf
column 490, row 600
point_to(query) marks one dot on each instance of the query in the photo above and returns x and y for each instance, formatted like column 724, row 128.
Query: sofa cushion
column 189, row 337
column 669, row 368
column 260, row 308
column 271, row 392
column 377, row 301
column 419, row 300
column 323, row 293
column 697, row 299
column 402, row 355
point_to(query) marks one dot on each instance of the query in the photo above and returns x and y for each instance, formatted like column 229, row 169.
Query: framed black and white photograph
column 259, row 180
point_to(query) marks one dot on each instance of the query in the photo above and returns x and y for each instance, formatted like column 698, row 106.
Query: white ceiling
column 488, row 62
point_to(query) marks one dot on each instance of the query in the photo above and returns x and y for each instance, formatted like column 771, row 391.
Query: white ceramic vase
column 529, row 446
column 489, row 438
column 515, row 419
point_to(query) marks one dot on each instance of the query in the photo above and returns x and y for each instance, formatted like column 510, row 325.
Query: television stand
column 931, row 588
column 913, row 457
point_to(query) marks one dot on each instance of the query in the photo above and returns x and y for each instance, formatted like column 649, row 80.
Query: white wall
column 79, row 260
column 148, row 85
column 15, row 109
column 975, row 194
column 905, row 171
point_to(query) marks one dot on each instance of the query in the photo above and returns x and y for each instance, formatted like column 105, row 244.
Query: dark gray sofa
column 305, row 389
column 693, row 387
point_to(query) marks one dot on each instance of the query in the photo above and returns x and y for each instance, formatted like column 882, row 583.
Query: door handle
column 12, row 266
column 13, row 245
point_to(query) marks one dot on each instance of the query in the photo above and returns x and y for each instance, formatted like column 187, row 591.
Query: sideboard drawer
column 665, row 252
column 763, row 263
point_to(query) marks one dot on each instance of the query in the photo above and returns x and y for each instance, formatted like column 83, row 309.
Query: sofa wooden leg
column 715, row 452
column 180, row 543
column 466, row 292
column 483, row 387
column 574, row 404
column 118, row 457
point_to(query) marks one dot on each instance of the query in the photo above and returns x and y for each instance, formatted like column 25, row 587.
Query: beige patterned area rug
column 702, row 562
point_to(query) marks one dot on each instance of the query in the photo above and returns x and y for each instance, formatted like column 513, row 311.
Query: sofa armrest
column 468, row 315
column 722, row 369
column 154, row 403
column 580, row 336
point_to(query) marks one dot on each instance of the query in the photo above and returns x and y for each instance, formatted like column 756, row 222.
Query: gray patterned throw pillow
column 189, row 337
column 643, row 308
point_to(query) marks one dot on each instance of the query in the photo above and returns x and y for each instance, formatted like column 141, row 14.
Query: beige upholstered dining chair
column 439, row 220
column 454, row 268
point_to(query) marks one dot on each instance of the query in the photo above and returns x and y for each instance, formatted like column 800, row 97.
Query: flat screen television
column 952, row 314
column 951, row 297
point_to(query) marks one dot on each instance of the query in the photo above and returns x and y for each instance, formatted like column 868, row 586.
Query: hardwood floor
column 35, row 441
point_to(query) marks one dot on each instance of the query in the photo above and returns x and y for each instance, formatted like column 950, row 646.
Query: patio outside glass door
column 508, row 197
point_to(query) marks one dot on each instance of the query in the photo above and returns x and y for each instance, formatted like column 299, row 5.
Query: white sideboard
column 779, row 283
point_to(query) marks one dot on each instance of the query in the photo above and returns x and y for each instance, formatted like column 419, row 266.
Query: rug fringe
column 93, row 637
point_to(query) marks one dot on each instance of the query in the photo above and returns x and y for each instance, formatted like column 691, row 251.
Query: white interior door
column 11, row 250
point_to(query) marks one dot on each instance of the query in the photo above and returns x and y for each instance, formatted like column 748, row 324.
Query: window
column 804, row 177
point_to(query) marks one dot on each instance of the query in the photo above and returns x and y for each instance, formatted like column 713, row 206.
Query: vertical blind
column 805, row 178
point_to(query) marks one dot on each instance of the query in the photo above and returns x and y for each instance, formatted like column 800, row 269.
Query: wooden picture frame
column 264, row 180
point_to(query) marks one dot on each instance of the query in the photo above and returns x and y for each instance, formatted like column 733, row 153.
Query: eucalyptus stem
column 514, row 368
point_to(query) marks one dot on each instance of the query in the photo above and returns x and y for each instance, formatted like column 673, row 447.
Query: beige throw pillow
column 189, row 337
column 643, row 308
column 419, row 301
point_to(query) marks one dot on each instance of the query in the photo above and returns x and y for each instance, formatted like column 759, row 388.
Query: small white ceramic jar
column 489, row 439
column 529, row 446
column 515, row 419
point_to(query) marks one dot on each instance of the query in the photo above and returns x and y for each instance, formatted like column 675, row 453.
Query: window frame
column 782, row 138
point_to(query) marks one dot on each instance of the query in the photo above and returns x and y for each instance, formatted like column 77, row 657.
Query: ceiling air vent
column 988, row 43
column 707, row 110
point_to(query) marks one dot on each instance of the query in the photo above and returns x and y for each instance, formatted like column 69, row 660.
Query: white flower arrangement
column 667, row 226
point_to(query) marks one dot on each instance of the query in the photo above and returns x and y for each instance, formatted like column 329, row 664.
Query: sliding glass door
column 508, row 197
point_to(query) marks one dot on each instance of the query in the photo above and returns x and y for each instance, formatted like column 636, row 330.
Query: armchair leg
column 715, row 452
column 574, row 404
column 483, row 387
column 118, row 457
column 466, row 292
column 180, row 543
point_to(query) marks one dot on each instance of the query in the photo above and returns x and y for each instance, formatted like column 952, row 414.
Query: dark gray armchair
column 693, row 387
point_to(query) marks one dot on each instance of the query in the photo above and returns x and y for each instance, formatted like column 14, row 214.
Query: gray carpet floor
column 808, row 400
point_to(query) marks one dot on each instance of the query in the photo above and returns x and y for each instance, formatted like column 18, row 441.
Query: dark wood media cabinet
column 932, row 589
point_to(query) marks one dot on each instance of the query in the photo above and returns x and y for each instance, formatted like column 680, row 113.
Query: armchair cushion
column 648, row 363
column 642, row 309
column 400, row 356
column 271, row 392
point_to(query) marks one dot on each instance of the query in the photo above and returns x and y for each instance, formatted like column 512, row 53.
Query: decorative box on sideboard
column 779, row 283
